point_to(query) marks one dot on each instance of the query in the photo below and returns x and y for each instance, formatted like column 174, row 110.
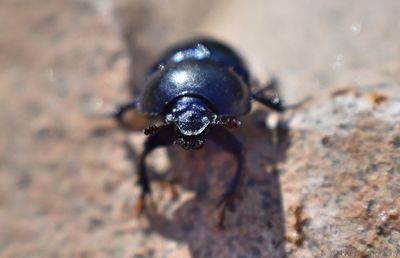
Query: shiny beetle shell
column 221, row 88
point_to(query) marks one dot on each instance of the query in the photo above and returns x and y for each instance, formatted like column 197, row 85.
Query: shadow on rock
column 256, row 228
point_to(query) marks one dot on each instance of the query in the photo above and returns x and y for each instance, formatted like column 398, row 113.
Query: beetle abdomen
column 220, row 87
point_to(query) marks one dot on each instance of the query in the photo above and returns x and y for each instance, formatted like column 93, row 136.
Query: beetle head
column 191, row 118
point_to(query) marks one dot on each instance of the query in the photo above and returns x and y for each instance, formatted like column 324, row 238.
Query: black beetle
column 199, row 88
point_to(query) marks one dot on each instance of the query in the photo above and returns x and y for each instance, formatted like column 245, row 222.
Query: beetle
column 199, row 88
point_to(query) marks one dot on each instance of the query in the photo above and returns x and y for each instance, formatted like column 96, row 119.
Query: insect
column 199, row 89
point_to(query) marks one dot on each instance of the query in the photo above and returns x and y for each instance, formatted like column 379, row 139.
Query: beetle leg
column 271, row 85
column 122, row 109
column 229, row 143
column 273, row 102
column 163, row 137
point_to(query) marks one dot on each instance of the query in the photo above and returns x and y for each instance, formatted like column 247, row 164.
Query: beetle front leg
column 162, row 138
column 229, row 143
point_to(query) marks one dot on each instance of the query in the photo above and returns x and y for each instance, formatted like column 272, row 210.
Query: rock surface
column 322, row 183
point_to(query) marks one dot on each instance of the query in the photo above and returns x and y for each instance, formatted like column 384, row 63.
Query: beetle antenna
column 228, row 122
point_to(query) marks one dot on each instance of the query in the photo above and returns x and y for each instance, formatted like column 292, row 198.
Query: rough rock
column 322, row 182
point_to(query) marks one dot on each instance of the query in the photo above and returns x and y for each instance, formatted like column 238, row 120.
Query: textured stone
column 322, row 183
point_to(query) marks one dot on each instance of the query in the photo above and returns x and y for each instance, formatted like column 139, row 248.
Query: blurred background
column 66, row 178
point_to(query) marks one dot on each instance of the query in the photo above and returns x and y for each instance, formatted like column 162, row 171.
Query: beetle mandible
column 199, row 88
